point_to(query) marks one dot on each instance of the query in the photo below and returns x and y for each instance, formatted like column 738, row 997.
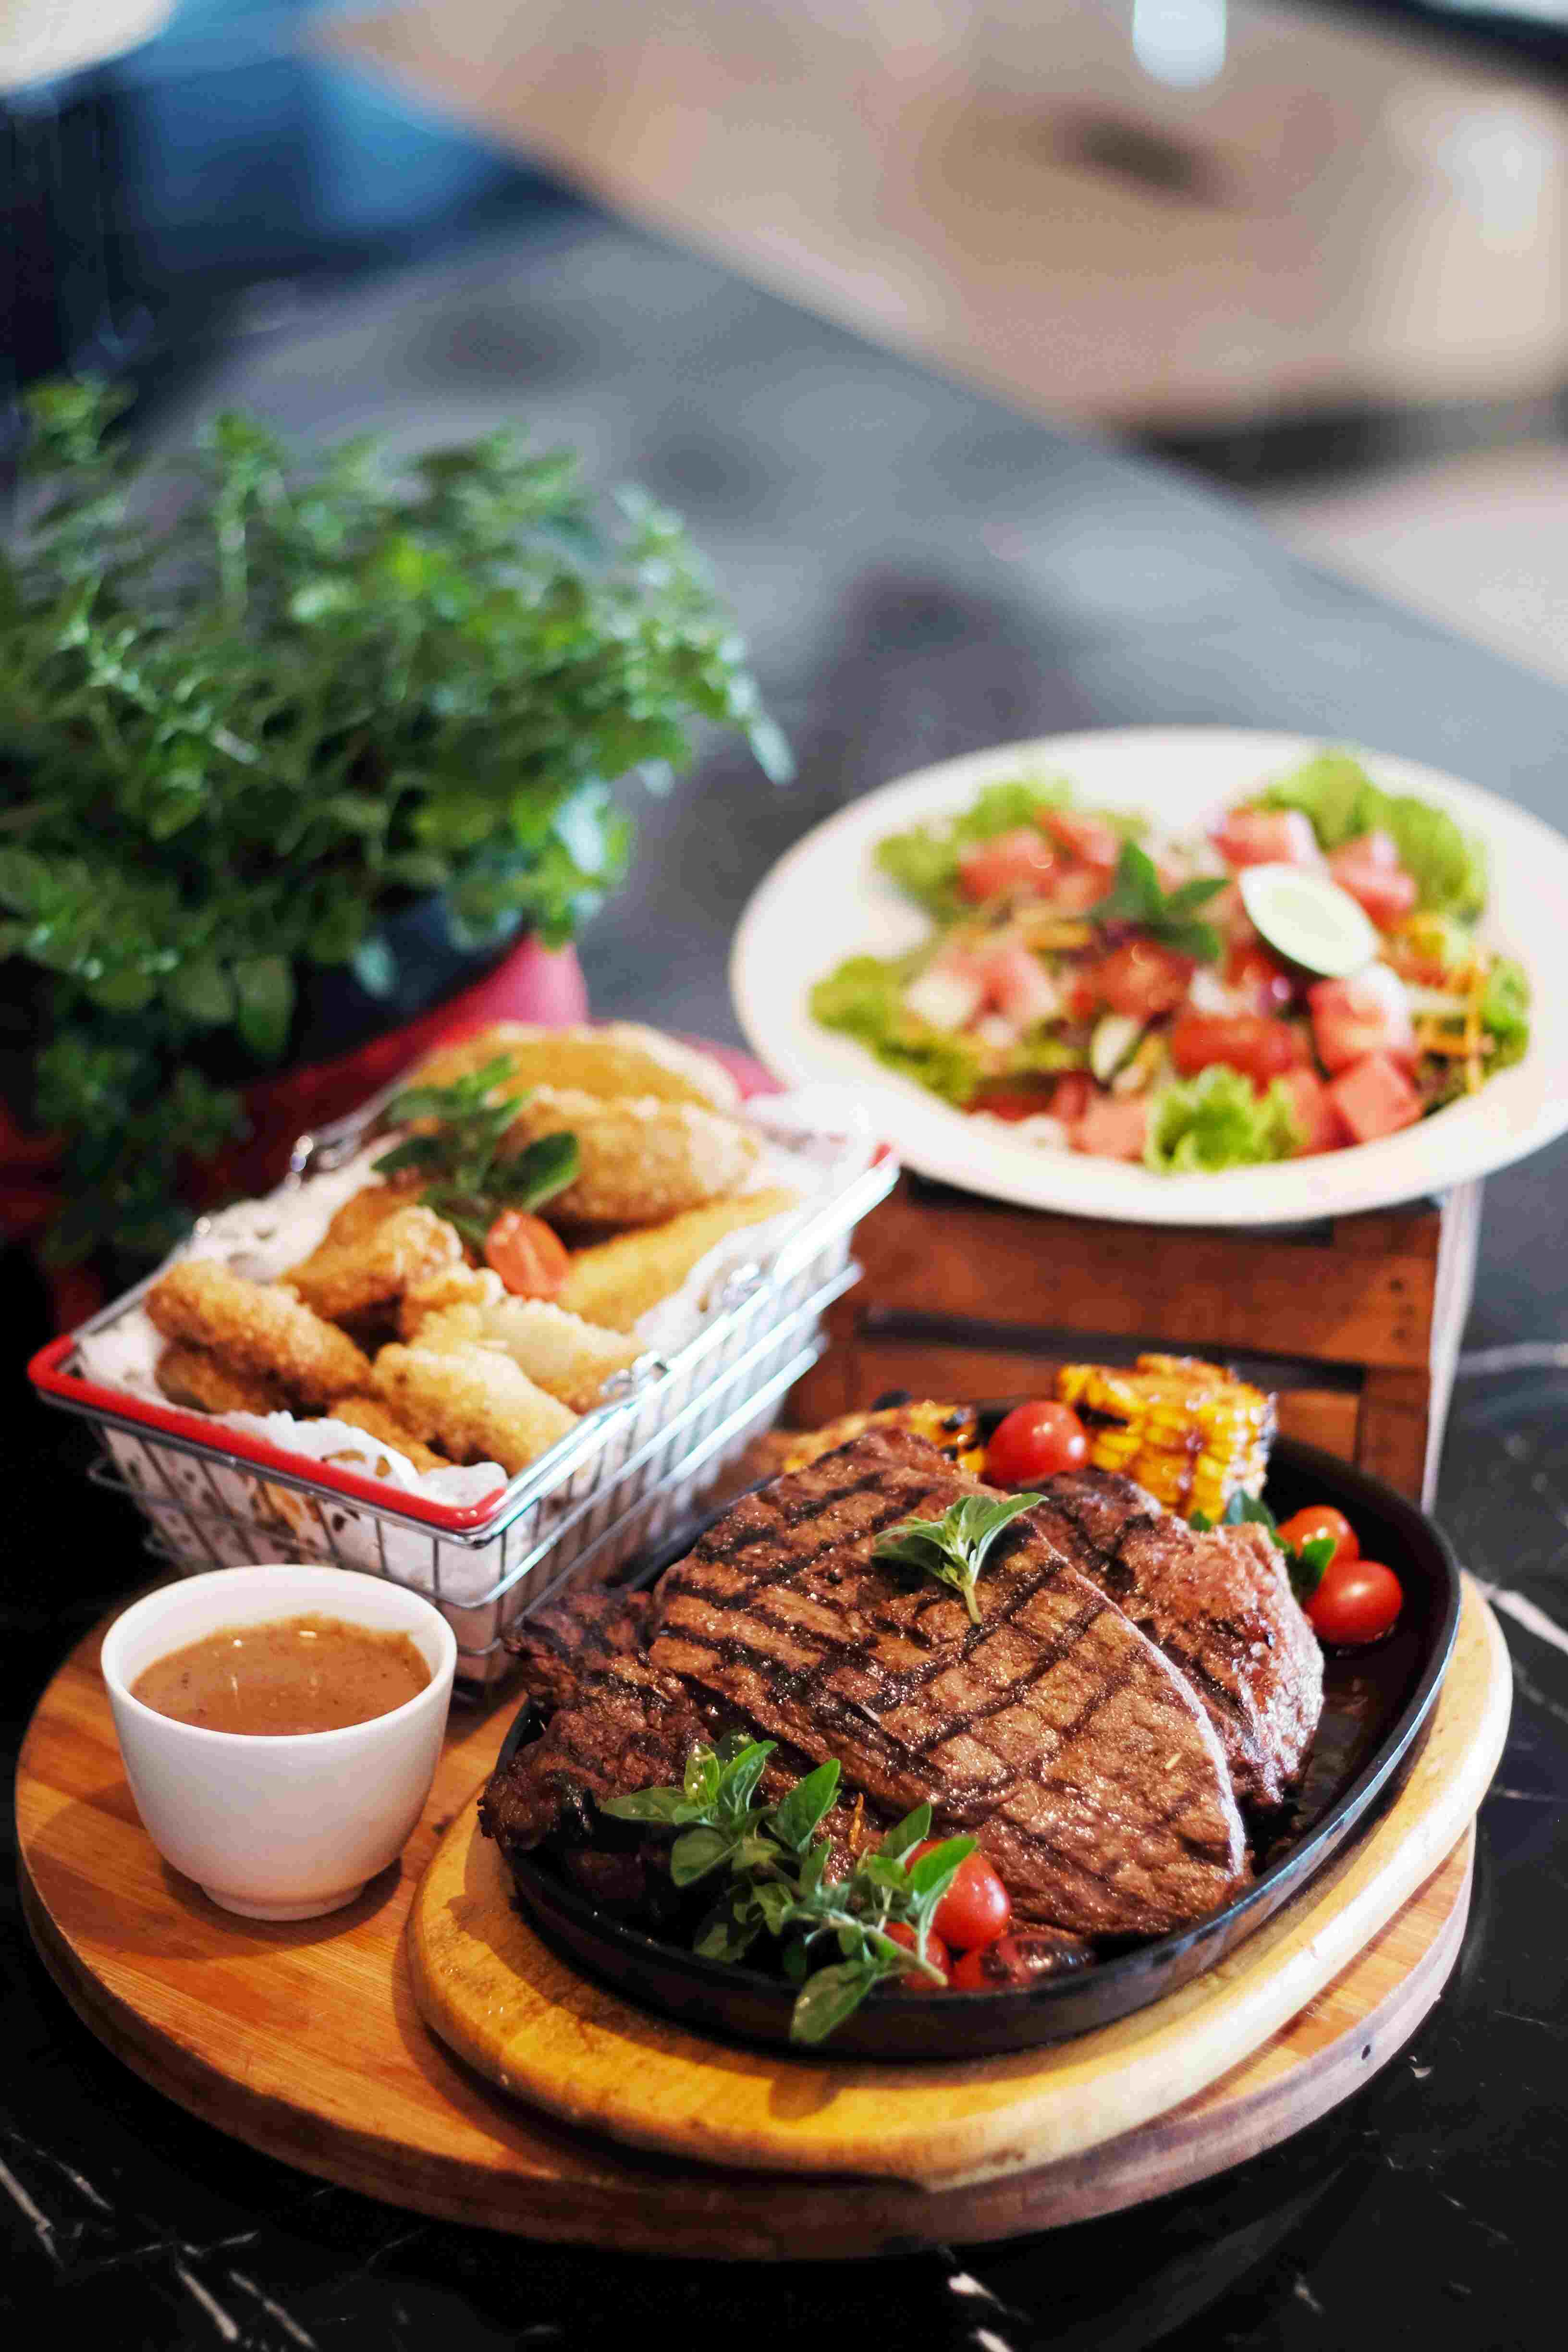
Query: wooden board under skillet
column 307, row 2041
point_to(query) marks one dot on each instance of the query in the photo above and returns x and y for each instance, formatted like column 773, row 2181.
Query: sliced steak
column 561, row 1646
column 1053, row 1730
column 628, row 1726
column 1220, row 1607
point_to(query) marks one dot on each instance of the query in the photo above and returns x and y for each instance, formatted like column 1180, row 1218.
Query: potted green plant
column 294, row 750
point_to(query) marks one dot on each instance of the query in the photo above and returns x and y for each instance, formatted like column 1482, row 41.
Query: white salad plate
column 825, row 900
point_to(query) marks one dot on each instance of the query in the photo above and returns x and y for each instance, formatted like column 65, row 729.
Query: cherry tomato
column 1014, row 1961
column 1321, row 1519
column 1035, row 1441
column 975, row 1908
column 1144, row 978
column 1244, row 1041
column 529, row 1259
column 1359, row 1600
column 1025, row 1096
column 1258, row 976
column 936, row 1951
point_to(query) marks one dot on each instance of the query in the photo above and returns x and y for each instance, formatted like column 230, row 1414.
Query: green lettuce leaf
column 864, row 998
column 1505, row 1012
column 1218, row 1120
column 1334, row 790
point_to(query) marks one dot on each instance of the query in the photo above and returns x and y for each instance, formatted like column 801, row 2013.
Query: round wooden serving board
column 308, row 2041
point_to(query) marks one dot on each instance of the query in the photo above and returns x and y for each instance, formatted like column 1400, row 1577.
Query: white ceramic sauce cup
column 288, row 1827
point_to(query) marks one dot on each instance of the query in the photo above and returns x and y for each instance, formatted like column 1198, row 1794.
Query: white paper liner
column 817, row 1143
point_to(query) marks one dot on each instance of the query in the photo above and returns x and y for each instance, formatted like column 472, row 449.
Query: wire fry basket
column 217, row 1497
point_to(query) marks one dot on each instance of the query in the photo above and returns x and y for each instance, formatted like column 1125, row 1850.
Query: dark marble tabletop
column 920, row 572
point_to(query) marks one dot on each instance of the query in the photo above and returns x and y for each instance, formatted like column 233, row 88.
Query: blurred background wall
column 1319, row 253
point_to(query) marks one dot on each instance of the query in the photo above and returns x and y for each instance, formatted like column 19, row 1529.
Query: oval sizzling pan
column 1376, row 1703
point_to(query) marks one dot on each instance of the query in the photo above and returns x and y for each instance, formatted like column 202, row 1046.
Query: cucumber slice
column 1309, row 919
column 1115, row 1034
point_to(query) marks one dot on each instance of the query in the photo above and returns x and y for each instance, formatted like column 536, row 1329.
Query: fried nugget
column 193, row 1376
column 257, row 1328
column 617, row 1281
column 621, row 1057
column 342, row 1278
column 369, row 1413
column 567, row 1357
column 641, row 1161
column 435, row 1294
column 370, row 1207
column 473, row 1402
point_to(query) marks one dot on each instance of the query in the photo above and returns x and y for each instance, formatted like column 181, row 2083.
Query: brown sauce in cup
column 288, row 1675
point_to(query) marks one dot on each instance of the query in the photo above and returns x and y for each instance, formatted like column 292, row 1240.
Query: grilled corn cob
column 1183, row 1429
column 952, row 1429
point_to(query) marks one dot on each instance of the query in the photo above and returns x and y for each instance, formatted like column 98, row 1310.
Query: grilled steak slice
column 1053, row 1730
column 563, row 1646
column 1220, row 1607
column 628, row 1726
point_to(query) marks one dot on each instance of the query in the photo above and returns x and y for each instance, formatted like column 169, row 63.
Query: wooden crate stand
column 1354, row 1322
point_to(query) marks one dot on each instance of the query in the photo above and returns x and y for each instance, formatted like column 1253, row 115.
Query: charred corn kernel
column 1182, row 1428
column 952, row 1429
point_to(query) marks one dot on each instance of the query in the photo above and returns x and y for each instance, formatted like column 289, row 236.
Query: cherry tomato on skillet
column 529, row 1258
column 936, row 1950
column 1034, row 1442
column 1012, row 1962
column 976, row 1906
column 1321, row 1519
column 1359, row 1600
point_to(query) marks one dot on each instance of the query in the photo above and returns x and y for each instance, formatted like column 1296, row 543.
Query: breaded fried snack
column 342, row 1278
column 369, row 1413
column 257, row 1328
column 567, row 1357
column 620, row 1059
column 473, row 1403
column 617, row 1281
column 435, row 1294
column 193, row 1376
column 642, row 1161
column 371, row 1206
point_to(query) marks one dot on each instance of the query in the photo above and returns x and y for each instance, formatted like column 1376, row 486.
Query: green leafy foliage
column 469, row 1175
column 245, row 713
column 777, row 1883
column 1218, row 1119
column 953, row 1548
column 1171, row 917
column 1335, row 791
column 1304, row 1563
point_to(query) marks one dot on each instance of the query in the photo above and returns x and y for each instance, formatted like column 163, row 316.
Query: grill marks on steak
column 1054, row 1731
column 561, row 1647
column 627, row 1727
column 1220, row 1607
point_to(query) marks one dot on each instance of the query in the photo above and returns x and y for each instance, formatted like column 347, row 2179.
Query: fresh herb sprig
column 1170, row 916
column 778, row 1883
column 469, row 1176
column 1304, row 1563
column 253, row 701
column 953, row 1548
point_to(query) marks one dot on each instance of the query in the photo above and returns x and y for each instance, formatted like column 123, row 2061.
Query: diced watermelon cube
column 1112, row 1127
column 1374, row 1097
column 1322, row 1128
column 1247, row 836
column 1369, row 868
column 1367, row 1013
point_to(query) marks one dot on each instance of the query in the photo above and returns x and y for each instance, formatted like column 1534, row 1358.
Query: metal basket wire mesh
column 621, row 1479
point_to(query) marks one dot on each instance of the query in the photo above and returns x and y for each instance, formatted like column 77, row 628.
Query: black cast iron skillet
column 1378, row 1704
